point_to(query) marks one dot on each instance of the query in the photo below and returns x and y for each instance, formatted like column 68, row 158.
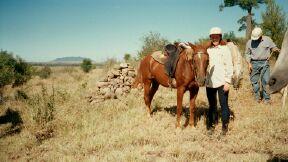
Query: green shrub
column 13, row 71
column 152, row 42
column 45, row 72
column 127, row 57
column 21, row 95
column 43, row 107
column 86, row 65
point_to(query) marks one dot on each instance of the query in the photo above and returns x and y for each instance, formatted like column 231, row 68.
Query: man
column 257, row 55
column 219, row 77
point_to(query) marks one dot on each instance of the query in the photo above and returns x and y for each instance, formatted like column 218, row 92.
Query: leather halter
column 199, row 54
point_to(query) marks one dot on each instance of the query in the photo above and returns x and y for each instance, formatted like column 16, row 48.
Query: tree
column 13, row 71
column 86, row 65
column 242, row 23
column 230, row 35
column 274, row 22
column 246, row 5
column 152, row 42
column 127, row 57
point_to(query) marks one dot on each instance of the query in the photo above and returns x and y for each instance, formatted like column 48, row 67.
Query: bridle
column 198, row 54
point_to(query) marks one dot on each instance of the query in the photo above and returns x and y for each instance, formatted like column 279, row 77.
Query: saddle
column 169, row 58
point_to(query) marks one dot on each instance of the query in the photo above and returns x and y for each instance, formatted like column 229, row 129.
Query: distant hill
column 65, row 61
column 69, row 59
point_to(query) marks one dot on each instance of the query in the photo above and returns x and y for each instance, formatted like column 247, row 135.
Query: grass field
column 59, row 124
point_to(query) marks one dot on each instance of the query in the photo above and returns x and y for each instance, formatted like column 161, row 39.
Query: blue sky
column 42, row 30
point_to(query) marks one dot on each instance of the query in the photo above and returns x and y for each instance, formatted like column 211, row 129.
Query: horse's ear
column 192, row 46
column 207, row 44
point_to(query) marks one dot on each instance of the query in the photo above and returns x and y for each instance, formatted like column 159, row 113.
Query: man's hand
column 275, row 49
column 249, row 68
column 226, row 87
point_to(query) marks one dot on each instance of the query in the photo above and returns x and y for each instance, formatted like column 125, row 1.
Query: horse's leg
column 149, row 92
column 154, row 88
column 180, row 94
column 193, row 94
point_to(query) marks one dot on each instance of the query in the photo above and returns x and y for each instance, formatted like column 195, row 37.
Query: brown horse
column 190, row 73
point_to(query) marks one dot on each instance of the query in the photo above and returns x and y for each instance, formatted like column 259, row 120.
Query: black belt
column 259, row 60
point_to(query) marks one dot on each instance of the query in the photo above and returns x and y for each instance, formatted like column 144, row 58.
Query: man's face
column 215, row 38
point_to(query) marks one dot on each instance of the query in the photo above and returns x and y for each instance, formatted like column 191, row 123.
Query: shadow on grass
column 14, row 118
column 201, row 112
column 278, row 158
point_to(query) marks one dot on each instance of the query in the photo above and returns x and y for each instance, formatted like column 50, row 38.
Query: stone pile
column 117, row 82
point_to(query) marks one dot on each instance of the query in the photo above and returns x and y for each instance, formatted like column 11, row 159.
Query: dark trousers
column 212, row 99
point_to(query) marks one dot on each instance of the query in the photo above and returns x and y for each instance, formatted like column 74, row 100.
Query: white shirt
column 220, row 68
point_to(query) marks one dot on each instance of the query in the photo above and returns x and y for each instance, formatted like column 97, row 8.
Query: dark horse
column 190, row 73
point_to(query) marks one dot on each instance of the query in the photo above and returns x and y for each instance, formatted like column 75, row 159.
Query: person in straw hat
column 257, row 53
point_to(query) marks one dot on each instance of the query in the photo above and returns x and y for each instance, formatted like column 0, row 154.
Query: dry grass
column 119, row 130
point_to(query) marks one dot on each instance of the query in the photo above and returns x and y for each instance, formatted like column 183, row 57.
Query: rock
column 104, row 80
column 131, row 73
column 109, row 95
column 110, row 75
column 124, row 65
column 126, row 89
column 125, row 72
column 119, row 81
column 127, row 83
column 114, row 82
column 115, row 72
column 105, row 90
column 102, row 84
column 116, row 67
column 118, row 91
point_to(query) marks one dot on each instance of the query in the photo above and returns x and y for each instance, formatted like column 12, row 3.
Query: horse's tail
column 138, row 78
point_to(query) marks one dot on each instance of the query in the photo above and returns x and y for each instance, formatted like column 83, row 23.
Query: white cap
column 215, row 30
column 256, row 33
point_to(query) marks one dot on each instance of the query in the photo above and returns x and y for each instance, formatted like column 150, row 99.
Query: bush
column 43, row 107
column 86, row 65
column 152, row 42
column 21, row 95
column 109, row 63
column 45, row 72
column 13, row 70
column 127, row 57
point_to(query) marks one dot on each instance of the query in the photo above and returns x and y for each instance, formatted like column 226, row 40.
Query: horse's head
column 200, row 61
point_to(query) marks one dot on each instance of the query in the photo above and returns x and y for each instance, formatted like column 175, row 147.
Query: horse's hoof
column 192, row 127
column 191, row 124
column 178, row 125
column 149, row 115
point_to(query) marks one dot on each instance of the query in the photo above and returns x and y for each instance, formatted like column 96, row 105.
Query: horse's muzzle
column 201, row 81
